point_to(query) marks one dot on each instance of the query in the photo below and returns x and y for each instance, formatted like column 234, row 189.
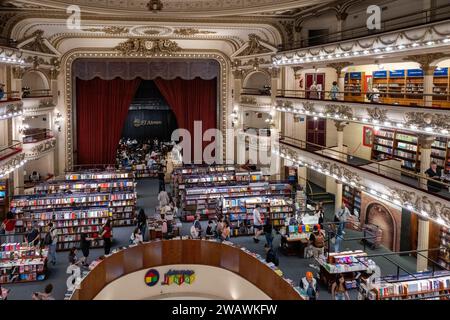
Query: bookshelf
column 3, row 198
column 352, row 199
column 86, row 186
column 406, row 86
column 419, row 286
column 239, row 211
column 354, row 86
column 207, row 200
column 444, row 252
column 21, row 263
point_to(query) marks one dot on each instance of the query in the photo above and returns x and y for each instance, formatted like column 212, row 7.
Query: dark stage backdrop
column 146, row 124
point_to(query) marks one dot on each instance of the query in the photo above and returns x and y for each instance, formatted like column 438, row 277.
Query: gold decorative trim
column 191, row 31
column 145, row 47
column 102, row 53
column 109, row 30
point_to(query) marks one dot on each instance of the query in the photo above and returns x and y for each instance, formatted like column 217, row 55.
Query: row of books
column 98, row 176
column 410, row 288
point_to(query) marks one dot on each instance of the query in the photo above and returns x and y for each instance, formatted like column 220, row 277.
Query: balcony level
column 11, row 105
column 11, row 157
column 38, row 143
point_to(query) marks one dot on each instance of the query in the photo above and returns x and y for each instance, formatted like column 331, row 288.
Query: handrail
column 10, row 96
column 182, row 252
column 408, row 20
column 38, row 136
column 36, row 93
column 324, row 95
column 14, row 148
column 383, row 170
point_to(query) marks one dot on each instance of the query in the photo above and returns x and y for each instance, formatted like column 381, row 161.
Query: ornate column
column 425, row 61
column 338, row 66
column 425, row 143
column 275, row 166
column 54, row 72
column 338, row 196
column 422, row 244
column 237, row 90
column 340, row 125
column 18, row 181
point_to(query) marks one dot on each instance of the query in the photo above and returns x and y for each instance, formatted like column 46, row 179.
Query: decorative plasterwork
column 101, row 53
column 7, row 166
column 248, row 100
column 413, row 119
column 427, row 120
column 191, row 32
column 38, row 44
column 383, row 189
column 10, row 109
column 35, row 150
column 343, row 111
column 254, row 46
column 113, row 30
column 338, row 66
column 147, row 47
column 436, row 210
column 377, row 114
column 400, row 42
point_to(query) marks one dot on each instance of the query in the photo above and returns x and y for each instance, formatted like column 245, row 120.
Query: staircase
column 317, row 194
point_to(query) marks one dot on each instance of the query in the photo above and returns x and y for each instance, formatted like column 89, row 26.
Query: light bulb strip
column 387, row 124
column 11, row 115
column 322, row 55
column 357, row 185
column 5, row 172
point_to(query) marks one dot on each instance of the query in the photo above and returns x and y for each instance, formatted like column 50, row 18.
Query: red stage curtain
column 102, row 108
column 191, row 100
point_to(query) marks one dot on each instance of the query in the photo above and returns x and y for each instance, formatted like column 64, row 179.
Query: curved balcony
column 110, row 272
column 37, row 143
column 11, row 105
column 11, row 157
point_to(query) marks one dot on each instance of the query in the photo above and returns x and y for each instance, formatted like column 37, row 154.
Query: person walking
column 51, row 239
column 317, row 241
column 33, row 236
column 268, row 230
column 85, row 246
column 334, row 91
column 142, row 223
column 270, row 255
column 106, row 235
column 257, row 223
column 309, row 284
column 338, row 289
column 163, row 198
column 341, row 217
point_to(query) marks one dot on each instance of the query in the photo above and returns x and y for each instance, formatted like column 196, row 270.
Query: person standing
column 338, row 289
column 198, row 225
column 163, row 198
column 106, row 235
column 142, row 223
column 319, row 211
column 313, row 94
column 309, row 284
column 85, row 246
column 2, row 90
column 341, row 217
column 161, row 176
column 226, row 231
column 219, row 227
column 270, row 255
column 210, row 229
column 317, row 241
column 9, row 225
column 334, row 91
column 268, row 230
column 33, row 237
column 257, row 223
column 434, row 173
column 53, row 241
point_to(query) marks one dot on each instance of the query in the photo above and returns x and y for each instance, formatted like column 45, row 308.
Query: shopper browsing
column 341, row 217
column 51, row 239
column 163, row 198
column 33, row 236
column 334, row 91
column 319, row 211
column 9, row 226
column 73, row 258
column 317, row 241
column 46, row 295
column 106, row 235
column 309, row 284
column 210, row 229
column 435, row 174
column 219, row 227
column 338, row 289
column 85, row 246
column 142, row 222
column 198, row 225
column 257, row 223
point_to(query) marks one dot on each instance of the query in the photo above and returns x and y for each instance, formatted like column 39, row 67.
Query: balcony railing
column 418, row 181
column 8, row 151
column 36, row 135
column 436, row 14
column 10, row 96
column 41, row 93
column 369, row 97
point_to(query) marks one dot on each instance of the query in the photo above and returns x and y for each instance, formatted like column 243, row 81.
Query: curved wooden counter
column 201, row 252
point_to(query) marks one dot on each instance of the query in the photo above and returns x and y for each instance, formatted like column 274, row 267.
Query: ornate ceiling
column 205, row 8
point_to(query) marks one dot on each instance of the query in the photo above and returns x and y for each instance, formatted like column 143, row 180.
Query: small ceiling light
column 400, row 47
column 315, row 118
column 366, row 52
column 400, row 125
column 355, row 53
column 415, row 44
column 346, row 54
column 430, row 43
column 428, row 129
column 376, row 50
column 444, row 131
column 388, row 49
column 154, row 5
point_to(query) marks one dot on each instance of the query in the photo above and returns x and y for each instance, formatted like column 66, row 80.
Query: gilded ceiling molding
column 254, row 46
column 11, row 163
column 18, row 72
column 191, row 32
column 288, row 26
column 114, row 30
column 102, row 53
column 338, row 66
column 37, row 43
column 309, row 106
column 147, row 47
column 341, row 110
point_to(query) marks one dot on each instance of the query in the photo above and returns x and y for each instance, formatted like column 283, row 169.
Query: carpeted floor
column 293, row 267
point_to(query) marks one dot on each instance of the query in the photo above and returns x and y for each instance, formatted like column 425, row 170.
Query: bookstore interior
column 294, row 150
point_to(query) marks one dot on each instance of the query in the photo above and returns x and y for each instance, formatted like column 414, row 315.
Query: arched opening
column 379, row 215
column 35, row 83
column 257, row 80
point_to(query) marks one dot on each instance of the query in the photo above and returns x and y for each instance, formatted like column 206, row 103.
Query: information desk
column 183, row 252
column 293, row 246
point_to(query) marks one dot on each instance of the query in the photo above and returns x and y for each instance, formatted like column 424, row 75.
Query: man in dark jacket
column 271, row 256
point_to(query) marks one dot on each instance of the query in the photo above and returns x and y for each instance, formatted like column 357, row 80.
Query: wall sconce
column 23, row 127
column 155, row 6
column 58, row 120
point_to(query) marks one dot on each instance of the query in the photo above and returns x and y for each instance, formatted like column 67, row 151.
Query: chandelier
column 155, row 5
